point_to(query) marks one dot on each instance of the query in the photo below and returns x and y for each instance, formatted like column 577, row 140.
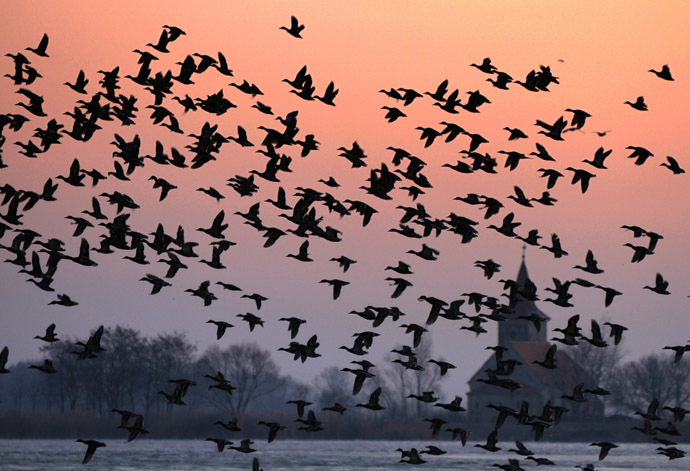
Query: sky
column 600, row 52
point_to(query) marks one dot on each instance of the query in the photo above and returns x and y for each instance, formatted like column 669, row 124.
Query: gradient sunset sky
column 601, row 53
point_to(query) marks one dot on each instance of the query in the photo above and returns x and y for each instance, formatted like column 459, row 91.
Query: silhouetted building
column 526, row 343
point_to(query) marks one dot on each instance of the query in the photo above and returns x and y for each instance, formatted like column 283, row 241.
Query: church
column 526, row 344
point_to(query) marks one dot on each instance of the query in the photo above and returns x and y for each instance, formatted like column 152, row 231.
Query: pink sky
column 601, row 53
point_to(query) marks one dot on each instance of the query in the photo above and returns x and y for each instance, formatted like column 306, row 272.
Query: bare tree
column 167, row 356
column 248, row 368
column 401, row 381
column 638, row 382
column 332, row 386
column 599, row 362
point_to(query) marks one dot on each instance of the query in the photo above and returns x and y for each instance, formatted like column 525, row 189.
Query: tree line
column 133, row 370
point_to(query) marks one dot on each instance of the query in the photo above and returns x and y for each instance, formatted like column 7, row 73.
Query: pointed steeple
column 523, row 330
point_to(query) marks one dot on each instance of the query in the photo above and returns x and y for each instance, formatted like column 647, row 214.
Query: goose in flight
column 63, row 300
column 672, row 165
column 373, row 403
column 92, row 446
column 294, row 324
column 640, row 154
column 426, row 253
column 303, row 254
column 252, row 320
column 605, row 447
column 301, row 404
column 221, row 327
column 40, row 50
column 50, row 335
column 3, row 360
column 337, row 286
column 295, row 28
column 486, row 66
column 664, row 73
column 273, row 429
column 203, row 293
column 660, row 286
column 344, row 262
column 257, row 298
column 221, row 443
column 639, row 104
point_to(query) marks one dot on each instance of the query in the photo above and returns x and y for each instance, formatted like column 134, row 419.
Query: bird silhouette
column 664, row 73
column 638, row 104
column 40, row 50
column 4, row 354
column 49, row 336
column 295, row 28
column 92, row 446
column 661, row 285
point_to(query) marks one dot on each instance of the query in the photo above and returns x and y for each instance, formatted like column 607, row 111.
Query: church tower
column 513, row 329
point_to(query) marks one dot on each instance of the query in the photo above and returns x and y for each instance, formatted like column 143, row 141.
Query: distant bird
column 639, row 104
column 616, row 332
column 252, row 320
column 581, row 176
column 329, row 95
column 660, row 286
column 578, row 119
column 599, row 156
column 344, row 262
column 79, row 84
column 230, row 425
column 221, row 327
column 203, row 293
column 64, row 300
column 393, row 113
column 92, row 446
column 664, row 73
column 301, row 404
column 486, row 66
column 610, row 294
column 491, row 441
column 40, row 50
column 294, row 324
column 515, row 134
column 443, row 365
column 521, row 449
column 605, row 448
column 551, row 175
column 295, row 28
column 336, row 407
column 337, row 286
column 373, row 403
column 212, row 192
column 49, row 336
column 257, row 298
column 273, row 429
column 400, row 285
column 489, row 266
column 426, row 253
column 303, row 254
column 640, row 154
column 678, row 350
column 221, row 443
column 550, row 359
column 459, row 433
column 3, row 360
column 672, row 165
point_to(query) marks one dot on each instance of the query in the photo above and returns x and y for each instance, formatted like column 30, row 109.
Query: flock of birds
column 39, row 257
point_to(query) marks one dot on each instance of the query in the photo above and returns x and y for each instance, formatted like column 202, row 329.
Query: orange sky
column 601, row 52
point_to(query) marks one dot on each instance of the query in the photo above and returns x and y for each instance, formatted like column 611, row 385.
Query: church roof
column 564, row 377
column 525, row 307
column 567, row 372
